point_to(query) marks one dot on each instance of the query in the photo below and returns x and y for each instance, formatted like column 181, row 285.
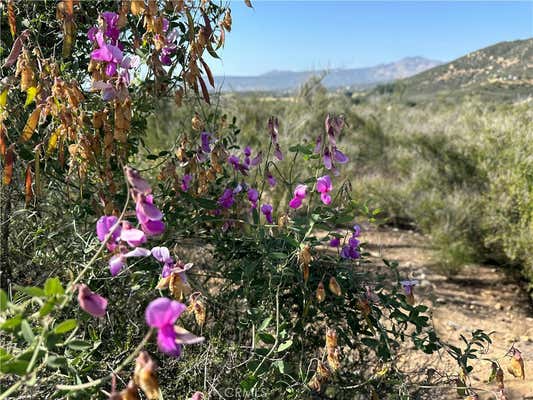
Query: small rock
column 440, row 300
column 498, row 306
column 472, row 306
column 526, row 339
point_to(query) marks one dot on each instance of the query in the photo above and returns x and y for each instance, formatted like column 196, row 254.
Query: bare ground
column 479, row 297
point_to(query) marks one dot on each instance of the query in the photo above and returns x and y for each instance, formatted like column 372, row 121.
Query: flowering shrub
column 279, row 301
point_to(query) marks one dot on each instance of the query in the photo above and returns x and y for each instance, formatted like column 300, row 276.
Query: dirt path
column 480, row 297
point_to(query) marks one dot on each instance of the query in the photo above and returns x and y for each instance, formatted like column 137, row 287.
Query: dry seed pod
column 334, row 359
column 320, row 292
column 516, row 366
column 331, row 338
column 131, row 392
column 145, row 375
column 334, row 286
column 137, row 7
column 323, row 371
column 364, row 307
column 499, row 378
column 227, row 21
column 314, row 383
column 197, row 123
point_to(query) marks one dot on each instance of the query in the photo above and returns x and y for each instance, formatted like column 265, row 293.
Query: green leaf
column 249, row 382
column 30, row 95
column 278, row 255
column 57, row 362
column 267, row 338
column 11, row 323
column 79, row 344
column 53, row 287
column 3, row 300
column 285, row 345
column 264, row 324
column 34, row 291
column 26, row 331
column 47, row 308
column 66, row 326
column 17, row 367
column 281, row 366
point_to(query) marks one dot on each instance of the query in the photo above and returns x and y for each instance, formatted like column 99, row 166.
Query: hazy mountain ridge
column 505, row 68
column 335, row 78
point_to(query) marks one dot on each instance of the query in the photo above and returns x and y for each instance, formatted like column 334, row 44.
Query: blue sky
column 302, row 35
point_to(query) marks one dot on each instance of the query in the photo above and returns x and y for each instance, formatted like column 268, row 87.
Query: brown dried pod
column 320, row 292
column 334, row 286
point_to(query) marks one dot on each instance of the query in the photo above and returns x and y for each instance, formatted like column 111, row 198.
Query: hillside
column 503, row 70
column 336, row 78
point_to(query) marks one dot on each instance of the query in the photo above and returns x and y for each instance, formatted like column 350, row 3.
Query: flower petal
column 166, row 341
column 91, row 302
column 161, row 254
column 183, row 336
column 163, row 311
column 116, row 263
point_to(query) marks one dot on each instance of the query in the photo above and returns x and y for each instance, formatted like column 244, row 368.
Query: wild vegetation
column 162, row 242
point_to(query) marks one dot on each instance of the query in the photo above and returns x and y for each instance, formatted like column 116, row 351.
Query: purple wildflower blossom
column 185, row 182
column 299, row 195
column 162, row 314
column 226, row 200
column 253, row 196
column 408, row 286
column 271, row 180
column 104, row 226
column 266, row 209
column 91, row 302
column 324, row 186
column 335, row 242
column 118, row 261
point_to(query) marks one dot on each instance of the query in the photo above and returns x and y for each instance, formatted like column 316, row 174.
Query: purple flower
column 137, row 183
column 408, row 286
column 299, row 195
column 278, row 153
column 247, row 151
column 148, row 215
column 169, row 46
column 235, row 161
column 226, row 200
column 162, row 314
column 91, row 302
column 253, row 196
column 356, row 230
column 117, row 262
column 349, row 252
column 318, row 145
column 266, row 209
column 106, row 225
column 339, row 156
column 205, row 138
column 327, row 159
column 324, row 186
column 111, row 29
column 273, row 129
column 108, row 53
column 185, row 182
column 271, row 180
column 134, row 237
column 257, row 159
column 335, row 242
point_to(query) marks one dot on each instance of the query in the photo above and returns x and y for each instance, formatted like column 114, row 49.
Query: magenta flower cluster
column 351, row 250
column 328, row 150
column 110, row 52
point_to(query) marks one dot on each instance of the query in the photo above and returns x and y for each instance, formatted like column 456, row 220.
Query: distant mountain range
column 503, row 70
column 355, row 78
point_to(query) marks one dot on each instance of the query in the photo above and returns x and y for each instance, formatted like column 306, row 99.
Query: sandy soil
column 480, row 297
